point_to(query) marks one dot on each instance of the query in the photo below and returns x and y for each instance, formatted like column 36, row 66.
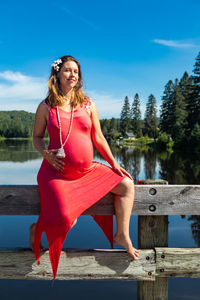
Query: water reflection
column 176, row 168
column 180, row 168
column 195, row 227
column 19, row 164
column 17, row 150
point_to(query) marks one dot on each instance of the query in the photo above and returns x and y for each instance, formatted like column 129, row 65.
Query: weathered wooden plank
column 178, row 262
column 153, row 290
column 103, row 264
column 78, row 264
column 19, row 200
column 149, row 200
column 153, row 232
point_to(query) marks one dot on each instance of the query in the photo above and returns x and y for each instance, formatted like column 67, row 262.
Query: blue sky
column 124, row 47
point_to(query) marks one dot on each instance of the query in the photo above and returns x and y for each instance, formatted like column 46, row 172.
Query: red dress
column 65, row 196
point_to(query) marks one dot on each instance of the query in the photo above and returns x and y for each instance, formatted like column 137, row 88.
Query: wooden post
column 153, row 232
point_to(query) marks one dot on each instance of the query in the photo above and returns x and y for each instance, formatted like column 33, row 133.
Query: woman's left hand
column 119, row 170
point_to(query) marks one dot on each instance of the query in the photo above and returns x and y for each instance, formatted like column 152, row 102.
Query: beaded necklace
column 61, row 152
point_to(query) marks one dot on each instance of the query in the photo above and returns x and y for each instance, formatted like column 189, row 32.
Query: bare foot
column 127, row 244
column 32, row 237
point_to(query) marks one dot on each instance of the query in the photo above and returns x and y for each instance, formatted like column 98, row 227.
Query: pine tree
column 194, row 115
column 187, row 87
column 193, row 103
column 136, row 116
column 125, row 117
column 150, row 121
column 165, row 124
column 178, row 114
column 196, row 70
column 173, row 109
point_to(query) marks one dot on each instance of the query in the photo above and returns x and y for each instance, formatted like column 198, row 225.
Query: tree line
column 15, row 124
column 179, row 115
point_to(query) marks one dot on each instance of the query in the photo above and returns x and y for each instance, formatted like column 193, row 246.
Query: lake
column 19, row 164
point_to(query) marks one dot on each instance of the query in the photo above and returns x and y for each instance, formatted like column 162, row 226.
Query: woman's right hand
column 56, row 162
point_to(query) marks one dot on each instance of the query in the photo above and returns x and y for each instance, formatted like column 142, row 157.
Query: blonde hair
column 55, row 96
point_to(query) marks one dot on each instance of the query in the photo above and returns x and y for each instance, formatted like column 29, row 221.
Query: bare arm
column 100, row 142
column 40, row 124
column 98, row 138
column 39, row 128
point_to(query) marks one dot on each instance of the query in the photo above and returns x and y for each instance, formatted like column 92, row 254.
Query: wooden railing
column 157, row 262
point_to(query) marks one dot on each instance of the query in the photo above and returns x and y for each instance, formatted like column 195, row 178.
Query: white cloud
column 109, row 106
column 14, row 76
column 176, row 44
column 22, row 92
column 19, row 91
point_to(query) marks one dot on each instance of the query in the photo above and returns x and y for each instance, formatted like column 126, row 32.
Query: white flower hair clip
column 56, row 63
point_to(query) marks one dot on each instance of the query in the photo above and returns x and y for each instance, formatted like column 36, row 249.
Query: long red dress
column 65, row 196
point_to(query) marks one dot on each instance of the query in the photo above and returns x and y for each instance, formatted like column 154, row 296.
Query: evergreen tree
column 165, row 124
column 105, row 126
column 125, row 117
column 173, row 109
column 196, row 70
column 178, row 114
column 194, row 114
column 136, row 116
column 187, row 88
column 150, row 121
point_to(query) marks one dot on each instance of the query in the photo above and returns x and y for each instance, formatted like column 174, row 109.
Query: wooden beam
column 153, row 232
column 103, row 264
column 178, row 262
column 149, row 200
column 78, row 264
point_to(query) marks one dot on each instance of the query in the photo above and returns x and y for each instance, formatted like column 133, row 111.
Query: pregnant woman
column 69, row 180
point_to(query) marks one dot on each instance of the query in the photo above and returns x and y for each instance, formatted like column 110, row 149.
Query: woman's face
column 68, row 75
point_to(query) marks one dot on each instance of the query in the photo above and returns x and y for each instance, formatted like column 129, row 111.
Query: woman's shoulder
column 44, row 104
column 43, row 109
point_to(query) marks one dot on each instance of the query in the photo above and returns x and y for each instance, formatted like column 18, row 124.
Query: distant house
column 129, row 135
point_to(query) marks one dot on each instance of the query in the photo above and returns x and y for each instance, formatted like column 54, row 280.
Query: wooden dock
column 153, row 203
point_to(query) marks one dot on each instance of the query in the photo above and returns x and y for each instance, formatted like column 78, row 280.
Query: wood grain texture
column 149, row 200
column 153, row 232
column 104, row 264
column 153, row 290
column 79, row 264
column 178, row 262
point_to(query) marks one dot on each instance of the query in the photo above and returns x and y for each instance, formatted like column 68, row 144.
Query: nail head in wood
column 152, row 207
column 152, row 191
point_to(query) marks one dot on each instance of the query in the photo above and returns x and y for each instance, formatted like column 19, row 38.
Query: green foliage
column 180, row 109
column 125, row 118
column 195, row 138
column 150, row 121
column 178, row 114
column 165, row 123
column 136, row 117
column 14, row 124
column 110, row 128
column 196, row 70
column 164, row 141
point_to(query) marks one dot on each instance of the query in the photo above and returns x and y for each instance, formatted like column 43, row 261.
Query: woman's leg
column 32, row 235
column 123, row 203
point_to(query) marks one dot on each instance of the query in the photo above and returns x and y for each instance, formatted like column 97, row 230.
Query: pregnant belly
column 79, row 155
